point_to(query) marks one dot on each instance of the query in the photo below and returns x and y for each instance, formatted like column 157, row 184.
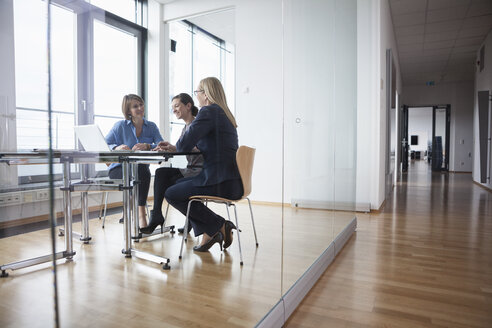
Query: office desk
column 128, row 160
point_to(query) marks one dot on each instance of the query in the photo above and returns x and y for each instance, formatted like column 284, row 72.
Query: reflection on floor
column 424, row 261
column 101, row 288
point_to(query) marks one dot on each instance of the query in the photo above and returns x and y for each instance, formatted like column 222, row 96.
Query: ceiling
column 220, row 24
column 438, row 40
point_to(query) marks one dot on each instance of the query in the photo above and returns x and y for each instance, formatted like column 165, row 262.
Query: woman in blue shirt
column 134, row 133
column 214, row 133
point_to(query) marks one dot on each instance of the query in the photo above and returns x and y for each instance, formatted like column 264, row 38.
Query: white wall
column 460, row 97
column 259, row 110
column 375, row 36
column 483, row 82
column 259, row 89
column 420, row 124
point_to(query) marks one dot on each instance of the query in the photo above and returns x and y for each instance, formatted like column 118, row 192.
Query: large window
column 31, row 80
column 196, row 54
column 96, row 58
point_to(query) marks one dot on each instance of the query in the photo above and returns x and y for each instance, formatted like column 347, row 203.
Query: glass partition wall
column 303, row 190
column 320, row 94
column 27, row 194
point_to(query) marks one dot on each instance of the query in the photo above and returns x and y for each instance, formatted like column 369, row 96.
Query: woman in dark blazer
column 214, row 133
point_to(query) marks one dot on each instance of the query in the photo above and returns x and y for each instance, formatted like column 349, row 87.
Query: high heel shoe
column 217, row 238
column 155, row 220
column 228, row 233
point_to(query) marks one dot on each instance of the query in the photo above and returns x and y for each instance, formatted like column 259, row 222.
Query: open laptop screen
column 91, row 137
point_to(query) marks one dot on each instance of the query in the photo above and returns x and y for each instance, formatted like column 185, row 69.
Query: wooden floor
column 101, row 288
column 424, row 261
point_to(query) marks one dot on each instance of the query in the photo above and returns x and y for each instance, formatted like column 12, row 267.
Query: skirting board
column 325, row 205
column 279, row 314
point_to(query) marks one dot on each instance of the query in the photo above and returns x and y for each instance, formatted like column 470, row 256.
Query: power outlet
column 10, row 199
column 42, row 195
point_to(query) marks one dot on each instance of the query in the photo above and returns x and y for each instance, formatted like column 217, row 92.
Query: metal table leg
column 68, row 253
column 126, row 208
column 84, row 205
column 127, row 203
column 136, row 214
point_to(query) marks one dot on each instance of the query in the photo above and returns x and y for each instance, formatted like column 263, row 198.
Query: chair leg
column 238, row 235
column 101, row 207
column 105, row 208
column 185, row 228
column 252, row 220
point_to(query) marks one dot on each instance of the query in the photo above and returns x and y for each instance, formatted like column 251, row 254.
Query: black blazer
column 215, row 136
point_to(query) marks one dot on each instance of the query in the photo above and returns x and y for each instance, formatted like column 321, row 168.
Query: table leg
column 126, row 208
column 67, row 201
column 136, row 182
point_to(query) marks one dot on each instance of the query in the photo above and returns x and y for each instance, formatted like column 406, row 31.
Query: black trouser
column 164, row 178
column 202, row 219
column 143, row 176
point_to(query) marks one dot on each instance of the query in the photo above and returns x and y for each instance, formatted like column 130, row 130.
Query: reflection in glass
column 320, row 79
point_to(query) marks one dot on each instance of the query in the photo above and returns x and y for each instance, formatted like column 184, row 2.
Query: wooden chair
column 244, row 157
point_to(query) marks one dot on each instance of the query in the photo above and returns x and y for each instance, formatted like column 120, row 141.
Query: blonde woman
column 214, row 133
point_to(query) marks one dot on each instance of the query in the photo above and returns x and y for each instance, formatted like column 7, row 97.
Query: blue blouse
column 124, row 133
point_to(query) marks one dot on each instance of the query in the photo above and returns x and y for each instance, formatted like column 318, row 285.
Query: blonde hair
column 215, row 93
column 127, row 102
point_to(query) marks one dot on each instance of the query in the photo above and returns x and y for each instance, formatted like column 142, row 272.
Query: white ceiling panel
column 474, row 32
column 478, row 21
column 471, row 49
column 442, row 36
column 478, row 8
column 462, row 55
column 439, row 45
column 411, row 39
column 411, row 59
column 410, row 47
column 454, row 25
column 400, row 7
column 462, row 61
column 437, row 52
column 410, row 30
column 409, row 19
column 447, row 14
column 477, row 41
column 452, row 31
column 443, row 4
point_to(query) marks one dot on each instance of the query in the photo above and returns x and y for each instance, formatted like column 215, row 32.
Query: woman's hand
column 165, row 146
column 141, row 146
column 121, row 147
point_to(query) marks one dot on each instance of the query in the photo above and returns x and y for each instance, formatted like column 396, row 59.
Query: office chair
column 245, row 159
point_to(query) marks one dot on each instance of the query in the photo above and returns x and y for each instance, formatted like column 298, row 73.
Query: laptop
column 91, row 138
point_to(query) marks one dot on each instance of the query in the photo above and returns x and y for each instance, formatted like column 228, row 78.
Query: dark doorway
column 428, row 136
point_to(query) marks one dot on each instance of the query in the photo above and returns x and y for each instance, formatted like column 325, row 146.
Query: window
column 31, row 80
column 196, row 54
column 96, row 58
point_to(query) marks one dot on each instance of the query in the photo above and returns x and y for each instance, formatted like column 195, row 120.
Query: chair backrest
column 245, row 158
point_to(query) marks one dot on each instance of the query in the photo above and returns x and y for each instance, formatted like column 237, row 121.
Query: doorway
column 425, row 136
